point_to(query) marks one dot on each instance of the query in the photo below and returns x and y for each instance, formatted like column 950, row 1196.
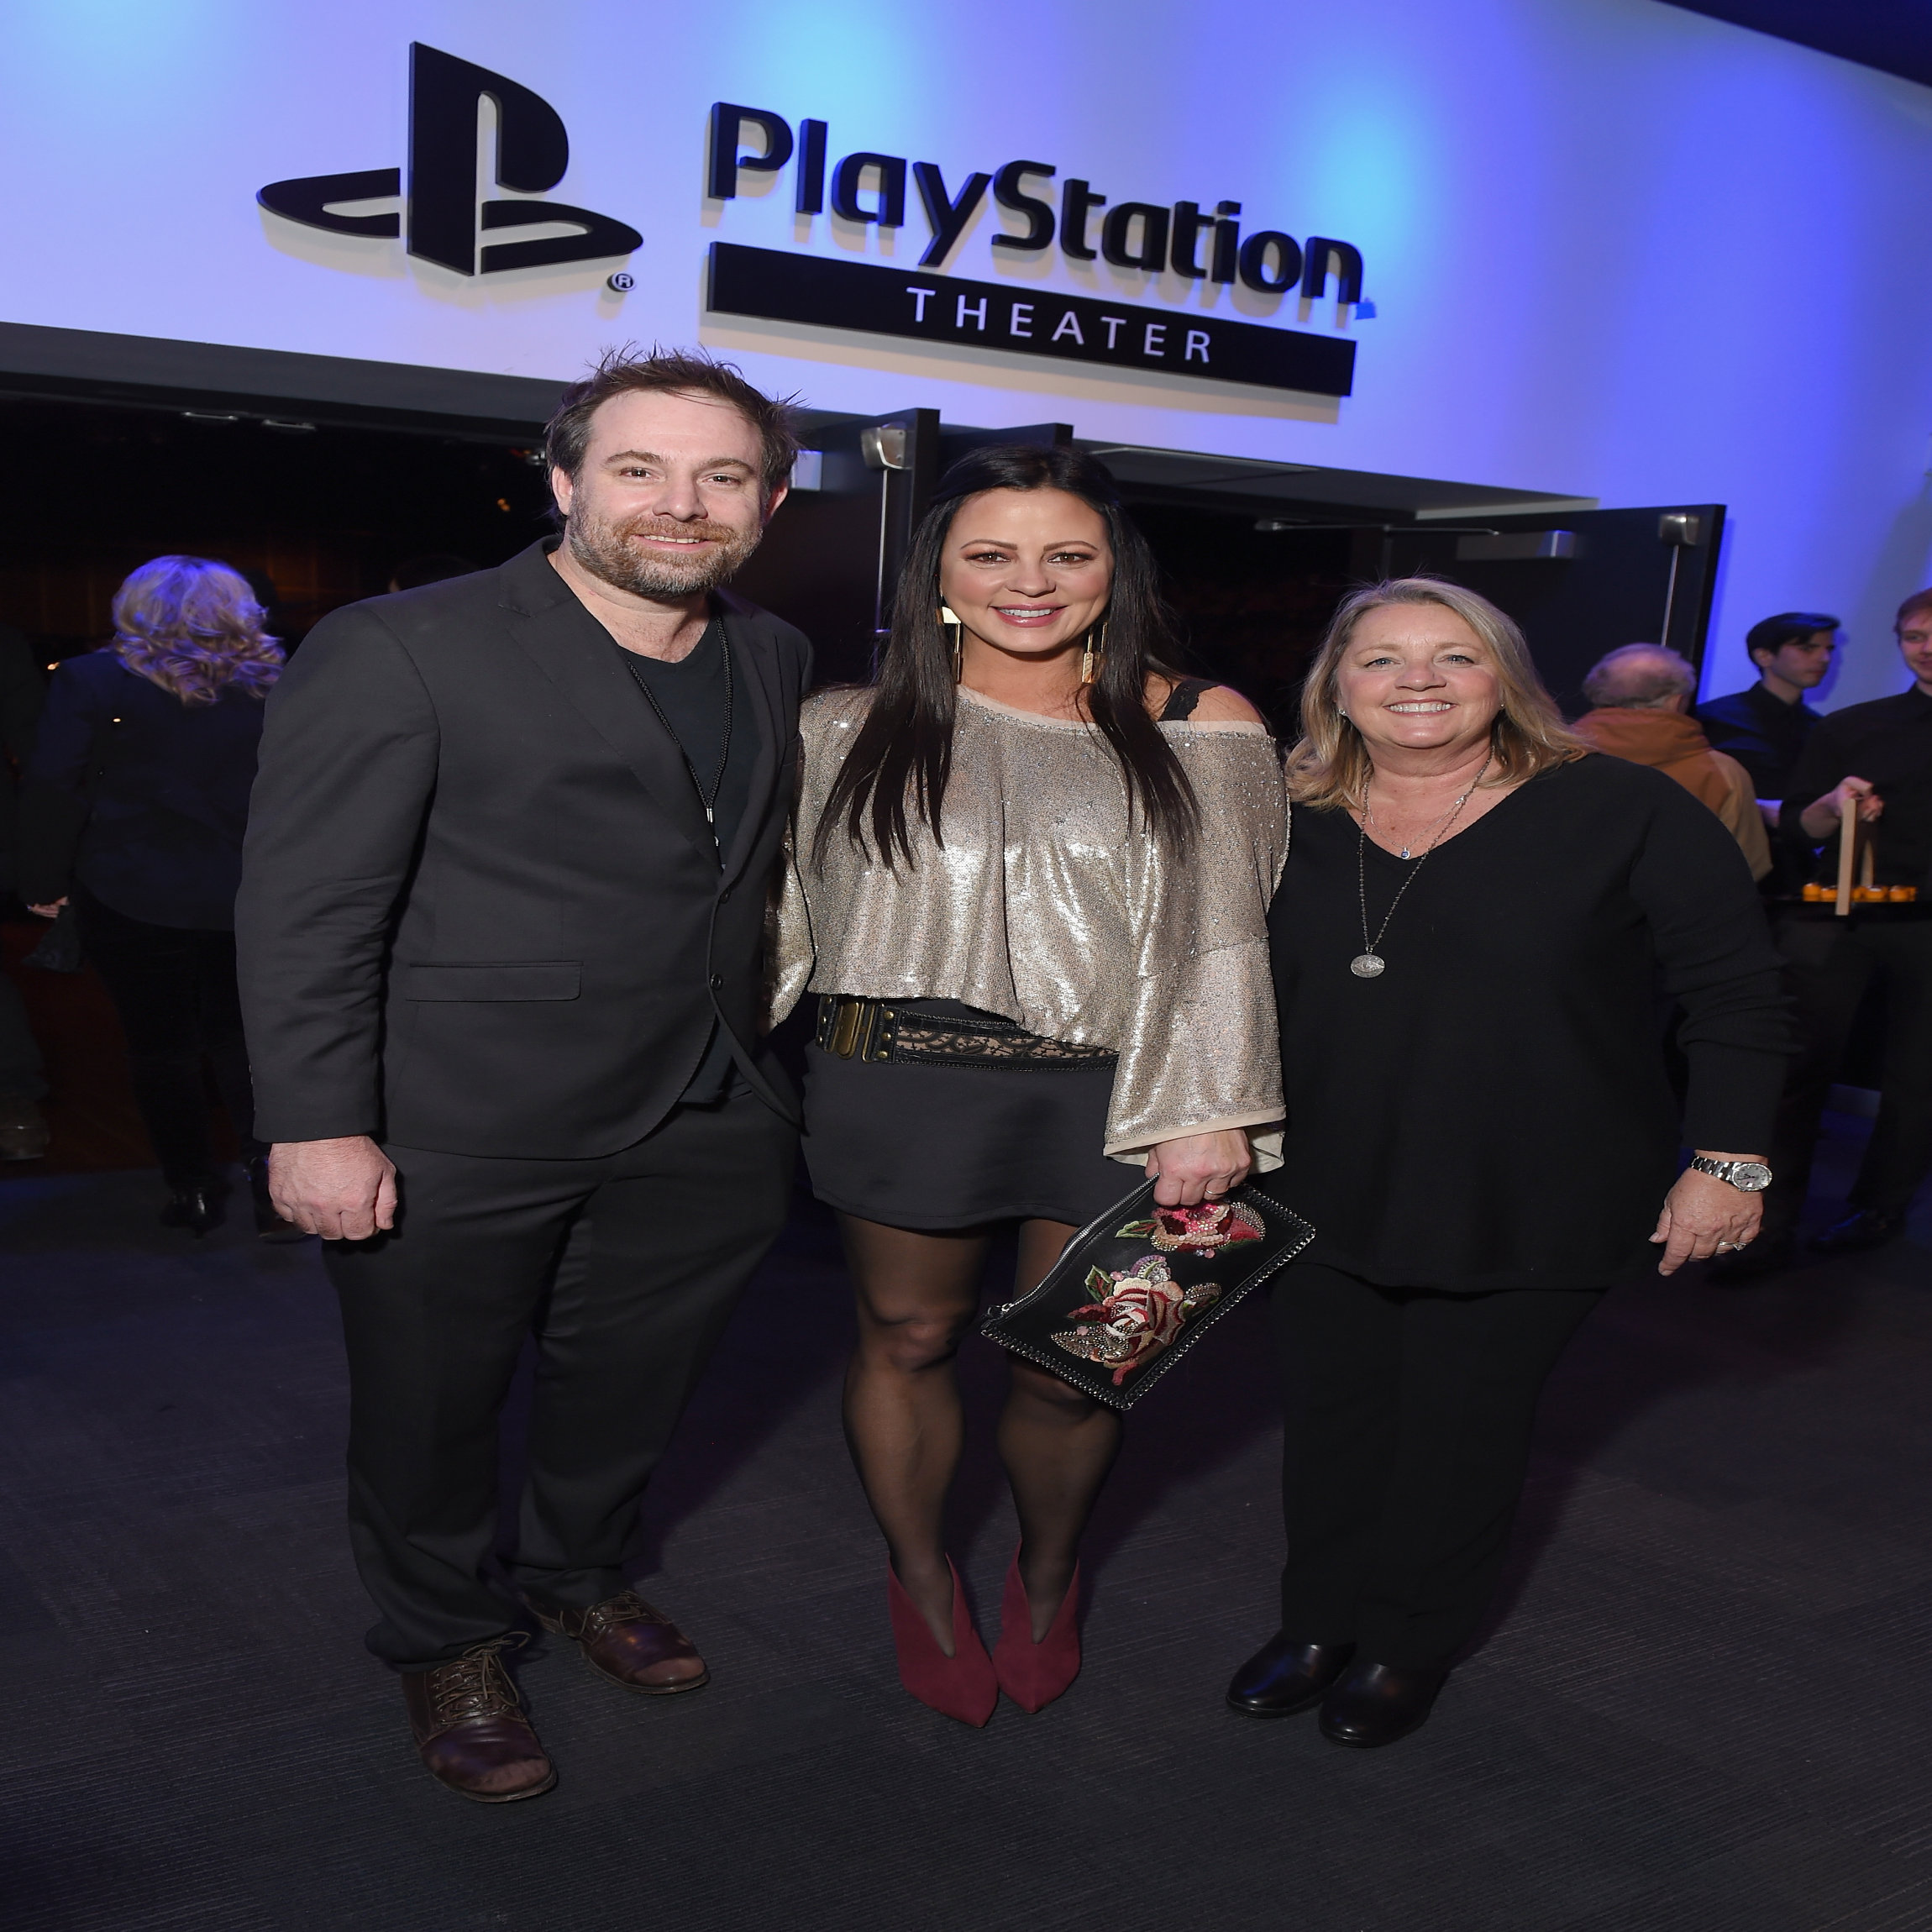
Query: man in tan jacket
column 1641, row 696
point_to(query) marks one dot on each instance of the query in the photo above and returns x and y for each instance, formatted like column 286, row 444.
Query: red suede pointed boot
column 1033, row 1674
column 961, row 1686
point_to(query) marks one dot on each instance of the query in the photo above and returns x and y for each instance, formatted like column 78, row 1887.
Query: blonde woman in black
column 135, row 801
column 1469, row 941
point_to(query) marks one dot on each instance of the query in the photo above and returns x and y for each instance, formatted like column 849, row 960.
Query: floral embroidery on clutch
column 1212, row 1225
column 1140, row 1310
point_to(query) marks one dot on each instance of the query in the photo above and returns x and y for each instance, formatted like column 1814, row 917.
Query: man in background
column 1765, row 728
column 1878, row 758
column 1641, row 697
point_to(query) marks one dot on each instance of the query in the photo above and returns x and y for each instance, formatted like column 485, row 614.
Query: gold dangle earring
column 1090, row 658
column 949, row 621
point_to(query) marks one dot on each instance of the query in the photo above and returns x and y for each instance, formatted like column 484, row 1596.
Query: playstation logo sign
column 441, row 217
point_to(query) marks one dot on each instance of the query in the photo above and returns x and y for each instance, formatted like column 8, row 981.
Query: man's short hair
column 1919, row 601
column 1635, row 675
column 669, row 372
column 1786, row 628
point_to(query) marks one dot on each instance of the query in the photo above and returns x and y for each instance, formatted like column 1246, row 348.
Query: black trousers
column 23, row 1075
column 1828, row 965
column 626, row 1269
column 173, row 987
column 1409, row 1414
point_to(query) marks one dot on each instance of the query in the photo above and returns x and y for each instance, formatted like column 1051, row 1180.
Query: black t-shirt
column 690, row 698
column 690, row 695
column 1763, row 732
column 1494, row 1111
column 1888, row 741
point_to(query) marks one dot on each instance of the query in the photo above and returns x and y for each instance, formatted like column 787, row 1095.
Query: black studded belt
column 897, row 1029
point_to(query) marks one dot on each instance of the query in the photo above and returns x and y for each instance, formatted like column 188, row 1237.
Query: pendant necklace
column 1368, row 964
column 708, row 799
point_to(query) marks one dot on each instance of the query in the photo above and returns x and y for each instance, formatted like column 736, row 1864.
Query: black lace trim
column 873, row 1030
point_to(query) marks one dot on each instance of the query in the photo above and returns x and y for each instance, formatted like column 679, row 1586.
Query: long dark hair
column 904, row 748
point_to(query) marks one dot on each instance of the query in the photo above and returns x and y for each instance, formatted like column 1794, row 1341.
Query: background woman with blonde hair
column 1469, row 939
column 135, row 802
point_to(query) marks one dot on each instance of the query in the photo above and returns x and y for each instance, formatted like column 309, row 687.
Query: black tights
column 917, row 1295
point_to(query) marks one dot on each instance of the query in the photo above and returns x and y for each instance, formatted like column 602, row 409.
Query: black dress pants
column 173, row 987
column 22, row 1074
column 1409, row 1414
column 626, row 1269
column 1828, row 965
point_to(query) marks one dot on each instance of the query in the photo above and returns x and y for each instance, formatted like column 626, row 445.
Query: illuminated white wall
column 1619, row 250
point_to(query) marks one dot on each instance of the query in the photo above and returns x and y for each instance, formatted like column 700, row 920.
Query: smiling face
column 1416, row 677
column 1027, row 571
column 668, row 501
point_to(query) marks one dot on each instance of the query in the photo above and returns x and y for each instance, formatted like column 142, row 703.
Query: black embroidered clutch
column 1133, row 1291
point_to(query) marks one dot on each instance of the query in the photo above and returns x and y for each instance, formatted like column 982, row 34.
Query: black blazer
column 137, row 796
column 481, row 910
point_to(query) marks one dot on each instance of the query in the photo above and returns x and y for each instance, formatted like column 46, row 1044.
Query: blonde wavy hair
column 1330, row 765
column 193, row 627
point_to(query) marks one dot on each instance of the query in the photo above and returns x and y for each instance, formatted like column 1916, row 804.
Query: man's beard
column 605, row 550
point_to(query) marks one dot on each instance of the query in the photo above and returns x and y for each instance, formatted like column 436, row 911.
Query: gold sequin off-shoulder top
column 1046, row 904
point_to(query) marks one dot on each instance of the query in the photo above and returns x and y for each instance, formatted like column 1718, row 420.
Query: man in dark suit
column 501, row 929
column 1875, row 761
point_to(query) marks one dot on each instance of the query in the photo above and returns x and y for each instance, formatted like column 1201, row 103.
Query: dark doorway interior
column 326, row 512
column 1252, row 604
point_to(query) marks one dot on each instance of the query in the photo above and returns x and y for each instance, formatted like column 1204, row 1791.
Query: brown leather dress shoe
column 625, row 1640
column 470, row 1730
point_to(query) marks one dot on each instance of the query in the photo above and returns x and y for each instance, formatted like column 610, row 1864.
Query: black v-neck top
column 1494, row 1111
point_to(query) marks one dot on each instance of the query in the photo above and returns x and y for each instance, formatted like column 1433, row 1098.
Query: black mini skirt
column 932, row 1147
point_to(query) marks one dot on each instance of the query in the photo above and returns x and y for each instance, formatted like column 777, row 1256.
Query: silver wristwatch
column 1752, row 1177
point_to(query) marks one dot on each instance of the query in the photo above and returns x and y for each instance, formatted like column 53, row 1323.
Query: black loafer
column 197, row 1208
column 1283, row 1676
column 1863, row 1228
column 1376, row 1704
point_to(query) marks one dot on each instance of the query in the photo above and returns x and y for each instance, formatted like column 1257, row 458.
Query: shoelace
column 475, row 1686
column 614, row 1612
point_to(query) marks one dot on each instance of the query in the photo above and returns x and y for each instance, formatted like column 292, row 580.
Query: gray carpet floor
column 1704, row 1705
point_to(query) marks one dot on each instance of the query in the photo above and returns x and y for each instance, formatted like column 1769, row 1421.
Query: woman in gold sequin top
column 1029, row 880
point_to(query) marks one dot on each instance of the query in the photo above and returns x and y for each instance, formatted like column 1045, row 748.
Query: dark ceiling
column 1893, row 35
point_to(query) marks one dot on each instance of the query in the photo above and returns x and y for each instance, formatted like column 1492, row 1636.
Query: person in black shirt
column 134, row 809
column 1879, row 754
column 1469, row 938
column 1765, row 728
column 502, row 918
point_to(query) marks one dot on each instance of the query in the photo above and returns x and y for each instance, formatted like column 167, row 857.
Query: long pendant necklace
column 1368, row 964
column 709, row 800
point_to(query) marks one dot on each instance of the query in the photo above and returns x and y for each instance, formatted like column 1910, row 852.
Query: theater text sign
column 830, row 294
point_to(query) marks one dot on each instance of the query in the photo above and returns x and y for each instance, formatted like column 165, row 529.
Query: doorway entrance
column 1256, row 556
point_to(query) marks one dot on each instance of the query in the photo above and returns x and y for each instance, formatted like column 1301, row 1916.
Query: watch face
column 1753, row 1176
